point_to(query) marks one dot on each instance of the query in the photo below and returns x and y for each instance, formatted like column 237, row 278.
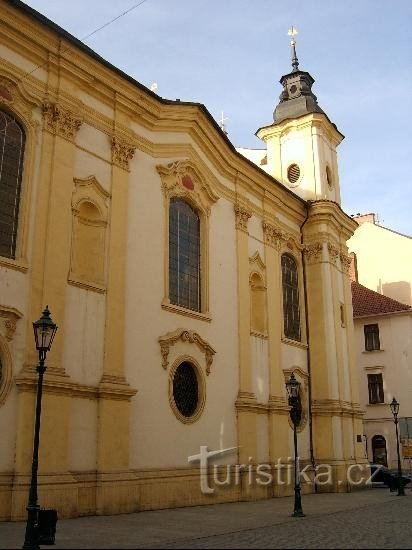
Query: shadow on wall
column 400, row 290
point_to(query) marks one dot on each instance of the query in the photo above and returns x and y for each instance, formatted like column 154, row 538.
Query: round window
column 186, row 390
column 293, row 173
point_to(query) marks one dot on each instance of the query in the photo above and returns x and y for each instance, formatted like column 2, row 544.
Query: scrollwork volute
column 169, row 340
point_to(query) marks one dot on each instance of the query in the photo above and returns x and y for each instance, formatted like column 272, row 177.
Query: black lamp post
column 44, row 333
column 394, row 405
column 292, row 387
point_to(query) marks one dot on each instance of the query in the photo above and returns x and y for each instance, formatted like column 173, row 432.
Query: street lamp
column 44, row 333
column 394, row 405
column 292, row 387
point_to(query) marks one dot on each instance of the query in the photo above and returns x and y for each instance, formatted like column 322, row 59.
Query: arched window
column 291, row 311
column 184, row 255
column 12, row 141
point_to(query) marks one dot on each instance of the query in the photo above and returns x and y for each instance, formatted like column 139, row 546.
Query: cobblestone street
column 366, row 519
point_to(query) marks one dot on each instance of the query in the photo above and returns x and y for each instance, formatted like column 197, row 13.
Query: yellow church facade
column 187, row 284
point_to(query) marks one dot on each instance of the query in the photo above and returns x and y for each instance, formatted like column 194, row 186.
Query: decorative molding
column 166, row 305
column 122, row 153
column 257, row 264
column 60, row 384
column 183, row 178
column 168, row 340
column 90, row 184
column 11, row 316
column 336, row 407
column 242, row 214
column 60, row 121
column 313, row 251
column 8, row 91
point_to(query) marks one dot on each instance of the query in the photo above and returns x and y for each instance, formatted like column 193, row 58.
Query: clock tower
column 301, row 142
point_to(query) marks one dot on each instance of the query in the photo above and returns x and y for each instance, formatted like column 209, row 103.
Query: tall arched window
column 291, row 310
column 12, row 141
column 184, row 255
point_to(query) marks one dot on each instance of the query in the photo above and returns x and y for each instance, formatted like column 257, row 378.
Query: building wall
column 384, row 260
column 394, row 361
column 103, row 158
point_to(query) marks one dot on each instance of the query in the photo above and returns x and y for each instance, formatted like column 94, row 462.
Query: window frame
column 375, row 386
column 185, row 179
column 185, row 304
column 367, row 331
column 287, row 336
column 201, row 389
column 17, row 180
column 22, row 111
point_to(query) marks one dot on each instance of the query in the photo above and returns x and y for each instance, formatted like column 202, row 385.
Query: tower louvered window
column 12, row 141
column 291, row 310
column 184, row 255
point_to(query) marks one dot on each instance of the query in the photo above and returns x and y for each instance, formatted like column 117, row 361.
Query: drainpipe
column 312, row 454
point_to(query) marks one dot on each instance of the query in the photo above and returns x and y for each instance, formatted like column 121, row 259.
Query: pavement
column 371, row 518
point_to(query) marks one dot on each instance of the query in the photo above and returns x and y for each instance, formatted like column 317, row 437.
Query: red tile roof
column 369, row 302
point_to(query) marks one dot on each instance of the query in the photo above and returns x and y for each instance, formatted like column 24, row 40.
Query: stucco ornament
column 313, row 251
column 168, row 340
column 61, row 121
column 242, row 213
column 122, row 153
column 184, row 179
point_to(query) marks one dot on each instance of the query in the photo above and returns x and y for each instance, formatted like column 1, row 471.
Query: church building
column 188, row 283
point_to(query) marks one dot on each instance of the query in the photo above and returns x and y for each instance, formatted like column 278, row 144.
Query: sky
column 229, row 55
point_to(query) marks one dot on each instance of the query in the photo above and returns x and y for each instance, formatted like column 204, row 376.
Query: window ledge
column 377, row 404
column 295, row 343
column 259, row 334
column 372, row 350
column 87, row 286
column 186, row 312
column 18, row 265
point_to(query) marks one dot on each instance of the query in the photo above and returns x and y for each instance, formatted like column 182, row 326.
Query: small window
column 375, row 388
column 372, row 337
column 184, row 255
column 291, row 310
column 187, row 392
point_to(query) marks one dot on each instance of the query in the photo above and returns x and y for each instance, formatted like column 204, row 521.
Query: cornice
column 60, row 52
column 61, row 385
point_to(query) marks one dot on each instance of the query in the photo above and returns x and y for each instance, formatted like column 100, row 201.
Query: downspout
column 312, row 454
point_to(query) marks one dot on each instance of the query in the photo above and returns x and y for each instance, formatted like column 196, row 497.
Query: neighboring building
column 383, row 336
column 383, row 259
column 187, row 283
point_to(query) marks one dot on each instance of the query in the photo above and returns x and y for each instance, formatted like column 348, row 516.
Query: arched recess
column 88, row 251
column 257, row 289
column 379, row 451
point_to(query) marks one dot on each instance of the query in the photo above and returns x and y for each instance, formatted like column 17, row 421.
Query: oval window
column 186, row 390
column 293, row 173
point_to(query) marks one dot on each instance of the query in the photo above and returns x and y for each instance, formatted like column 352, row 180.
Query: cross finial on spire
column 293, row 32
